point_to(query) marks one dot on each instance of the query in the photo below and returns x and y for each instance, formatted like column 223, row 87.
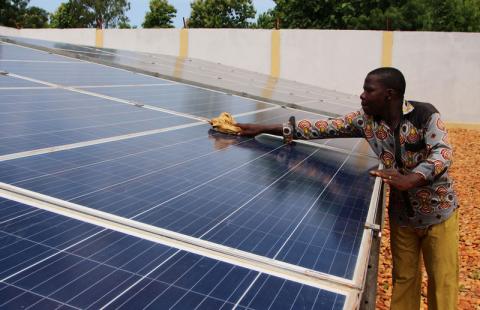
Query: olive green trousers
column 439, row 246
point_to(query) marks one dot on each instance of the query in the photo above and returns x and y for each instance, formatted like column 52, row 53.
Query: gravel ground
column 466, row 173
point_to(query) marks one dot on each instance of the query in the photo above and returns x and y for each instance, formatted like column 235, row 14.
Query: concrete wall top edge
column 143, row 30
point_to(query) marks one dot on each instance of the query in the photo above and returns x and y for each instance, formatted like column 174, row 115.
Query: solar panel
column 13, row 54
column 9, row 82
column 68, row 263
column 132, row 163
column 187, row 99
column 76, row 73
column 48, row 117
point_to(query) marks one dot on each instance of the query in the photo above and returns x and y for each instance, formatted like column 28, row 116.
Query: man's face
column 374, row 96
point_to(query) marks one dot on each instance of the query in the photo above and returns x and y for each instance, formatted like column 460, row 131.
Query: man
column 411, row 141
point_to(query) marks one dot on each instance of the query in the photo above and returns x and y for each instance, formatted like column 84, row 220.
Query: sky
column 138, row 9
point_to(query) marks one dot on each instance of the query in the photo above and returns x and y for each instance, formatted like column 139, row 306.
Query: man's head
column 383, row 87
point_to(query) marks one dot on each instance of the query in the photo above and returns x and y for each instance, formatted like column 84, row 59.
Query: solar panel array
column 114, row 193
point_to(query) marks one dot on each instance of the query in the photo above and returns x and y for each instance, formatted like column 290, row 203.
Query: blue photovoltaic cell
column 186, row 99
column 329, row 238
column 11, row 52
column 48, row 117
column 251, row 197
column 273, row 293
column 139, row 150
column 10, row 210
column 46, row 264
column 77, row 73
column 263, row 226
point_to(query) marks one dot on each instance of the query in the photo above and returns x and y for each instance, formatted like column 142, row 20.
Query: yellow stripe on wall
column 387, row 48
column 183, row 53
column 272, row 80
column 99, row 37
column 275, row 54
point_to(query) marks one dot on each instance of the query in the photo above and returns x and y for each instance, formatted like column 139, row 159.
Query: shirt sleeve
column 439, row 150
column 348, row 126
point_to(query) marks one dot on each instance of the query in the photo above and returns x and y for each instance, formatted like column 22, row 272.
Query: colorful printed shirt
column 424, row 149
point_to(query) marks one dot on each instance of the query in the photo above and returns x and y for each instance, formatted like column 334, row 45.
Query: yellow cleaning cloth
column 225, row 123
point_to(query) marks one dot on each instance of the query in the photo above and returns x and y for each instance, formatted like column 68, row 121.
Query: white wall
column 159, row 41
column 7, row 31
column 72, row 36
column 242, row 48
column 441, row 68
column 331, row 59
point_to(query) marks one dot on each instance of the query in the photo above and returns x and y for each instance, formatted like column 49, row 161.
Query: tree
column 221, row 13
column 266, row 20
column 427, row 15
column 125, row 25
column 161, row 15
column 71, row 15
column 454, row 15
column 325, row 14
column 35, row 17
column 11, row 11
column 15, row 13
column 91, row 13
column 306, row 14
column 107, row 13
column 470, row 11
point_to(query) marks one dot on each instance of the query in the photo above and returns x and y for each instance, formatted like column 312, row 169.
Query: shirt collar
column 407, row 107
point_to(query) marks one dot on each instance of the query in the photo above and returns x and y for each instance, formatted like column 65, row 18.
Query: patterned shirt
column 424, row 149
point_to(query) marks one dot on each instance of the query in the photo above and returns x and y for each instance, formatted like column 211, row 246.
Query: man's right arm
column 350, row 125
column 256, row 129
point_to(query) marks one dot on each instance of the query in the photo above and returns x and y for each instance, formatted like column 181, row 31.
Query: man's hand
column 400, row 181
column 256, row 129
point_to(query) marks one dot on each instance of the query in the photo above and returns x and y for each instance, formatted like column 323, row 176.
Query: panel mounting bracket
column 373, row 227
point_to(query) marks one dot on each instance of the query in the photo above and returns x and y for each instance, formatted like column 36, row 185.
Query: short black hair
column 391, row 78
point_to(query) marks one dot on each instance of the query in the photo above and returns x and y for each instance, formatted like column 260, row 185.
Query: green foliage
column 90, row 13
column 125, row 25
column 309, row 14
column 108, row 13
column 425, row 15
column 161, row 15
column 71, row 15
column 10, row 11
column 14, row 13
column 266, row 20
column 221, row 14
column 35, row 17
column 454, row 15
